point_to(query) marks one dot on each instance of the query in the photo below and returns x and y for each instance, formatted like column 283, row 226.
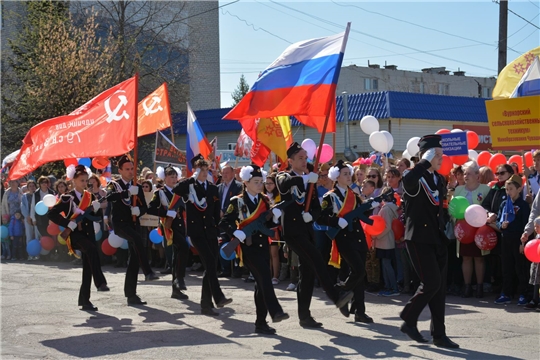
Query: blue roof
column 382, row 105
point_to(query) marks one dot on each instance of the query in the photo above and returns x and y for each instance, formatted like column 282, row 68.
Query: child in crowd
column 16, row 233
column 535, row 274
column 368, row 188
column 6, row 242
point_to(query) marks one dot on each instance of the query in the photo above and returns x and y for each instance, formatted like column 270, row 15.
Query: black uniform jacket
column 122, row 202
column 158, row 209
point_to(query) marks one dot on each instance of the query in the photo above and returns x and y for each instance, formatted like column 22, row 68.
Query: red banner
column 483, row 135
column 104, row 126
column 154, row 112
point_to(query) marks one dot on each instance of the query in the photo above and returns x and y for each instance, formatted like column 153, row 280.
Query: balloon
column 443, row 131
column 33, row 248
column 61, row 240
column 476, row 216
column 406, row 155
column 412, row 145
column 106, row 248
column 398, row 229
column 457, row 207
column 125, row 245
column 446, row 165
column 44, row 252
column 378, row 141
column 378, row 225
column 97, row 227
column 528, row 159
column 518, row 160
column 472, row 140
column 531, row 250
column 68, row 162
column 310, row 147
column 456, row 130
column 85, row 161
column 398, row 199
column 4, row 232
column 389, row 141
column 41, row 208
column 485, row 238
column 373, row 157
column 47, row 243
column 327, row 153
column 464, row 232
column 99, row 234
column 222, row 253
column 100, row 162
column 483, row 158
column 49, row 200
column 459, row 159
column 155, row 237
column 369, row 124
column 114, row 240
column 473, row 155
column 496, row 160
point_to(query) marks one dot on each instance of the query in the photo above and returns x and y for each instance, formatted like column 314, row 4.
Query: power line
column 519, row 16
column 253, row 26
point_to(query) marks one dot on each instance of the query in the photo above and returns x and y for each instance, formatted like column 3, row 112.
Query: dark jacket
column 158, row 209
column 494, row 198
column 515, row 228
column 233, row 190
column 120, row 212
column 16, row 226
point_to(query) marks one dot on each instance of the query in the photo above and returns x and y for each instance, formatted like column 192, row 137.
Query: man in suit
column 228, row 188
column 202, row 217
column 120, row 193
column 297, row 226
column 424, row 194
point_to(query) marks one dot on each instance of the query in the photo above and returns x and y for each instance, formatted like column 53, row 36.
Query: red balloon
column 472, row 139
column 107, row 248
column 485, row 238
column 532, row 251
column 528, row 159
column 496, row 160
column 459, row 159
column 159, row 231
column 378, row 225
column 53, row 229
column 443, row 131
column 73, row 162
column 464, row 232
column 483, row 158
column 398, row 229
column 518, row 160
column 398, row 199
column 100, row 162
column 446, row 165
column 47, row 243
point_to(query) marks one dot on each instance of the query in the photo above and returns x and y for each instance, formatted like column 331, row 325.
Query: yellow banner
column 514, row 123
column 276, row 134
column 512, row 73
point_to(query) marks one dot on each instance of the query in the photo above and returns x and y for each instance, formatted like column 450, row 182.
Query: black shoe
column 344, row 298
column 310, row 323
column 89, row 307
column 224, row 301
column 280, row 317
column 468, row 291
column 118, row 265
column 345, row 310
column 413, row 333
column 167, row 271
column 151, row 276
column 264, row 329
column 209, row 312
column 135, row 300
column 177, row 294
column 180, row 284
column 363, row 318
column 103, row 287
column 445, row 342
column 479, row 291
column 224, row 275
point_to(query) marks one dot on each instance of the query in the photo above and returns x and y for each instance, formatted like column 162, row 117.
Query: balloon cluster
column 381, row 141
column 99, row 162
column 471, row 224
column 327, row 153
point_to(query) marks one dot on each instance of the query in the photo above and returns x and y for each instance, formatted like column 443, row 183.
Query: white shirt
column 343, row 191
column 79, row 195
column 168, row 188
column 435, row 180
column 254, row 199
column 226, row 187
column 203, row 183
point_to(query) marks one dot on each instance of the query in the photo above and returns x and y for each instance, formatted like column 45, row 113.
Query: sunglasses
column 372, row 176
column 501, row 173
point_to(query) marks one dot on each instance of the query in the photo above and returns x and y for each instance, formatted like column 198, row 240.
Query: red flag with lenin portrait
column 104, row 126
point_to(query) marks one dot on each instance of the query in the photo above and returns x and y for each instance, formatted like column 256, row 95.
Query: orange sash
column 349, row 204
column 86, row 200
column 169, row 232
column 261, row 208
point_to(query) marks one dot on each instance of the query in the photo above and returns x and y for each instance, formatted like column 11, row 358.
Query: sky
column 412, row 35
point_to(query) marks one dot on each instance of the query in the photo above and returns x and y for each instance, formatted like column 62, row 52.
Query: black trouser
column 514, row 264
column 257, row 259
column 311, row 264
column 137, row 256
column 324, row 245
column 356, row 259
column 91, row 265
column 208, row 250
column 180, row 254
column 430, row 263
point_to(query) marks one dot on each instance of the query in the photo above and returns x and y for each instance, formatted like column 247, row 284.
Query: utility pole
column 503, row 33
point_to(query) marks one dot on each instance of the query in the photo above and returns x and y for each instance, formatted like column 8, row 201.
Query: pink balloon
column 531, row 250
column 327, row 153
column 373, row 157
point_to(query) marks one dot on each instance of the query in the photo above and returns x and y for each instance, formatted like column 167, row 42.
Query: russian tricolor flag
column 197, row 143
column 529, row 85
column 301, row 82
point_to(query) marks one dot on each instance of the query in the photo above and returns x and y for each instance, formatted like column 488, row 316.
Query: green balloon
column 457, row 207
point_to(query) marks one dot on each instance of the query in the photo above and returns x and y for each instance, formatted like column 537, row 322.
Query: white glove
column 312, row 178
column 79, row 211
column 171, row 213
column 96, row 205
column 429, row 154
column 134, row 190
column 196, row 173
column 277, row 213
column 307, row 217
column 135, row 211
column 342, row 223
column 374, row 204
column 72, row 225
column 240, row 235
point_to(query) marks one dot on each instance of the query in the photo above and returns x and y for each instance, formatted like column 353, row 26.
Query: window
column 444, row 89
column 371, row 84
column 422, row 88
column 486, row 92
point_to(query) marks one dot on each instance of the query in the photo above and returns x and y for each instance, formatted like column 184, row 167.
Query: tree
column 241, row 90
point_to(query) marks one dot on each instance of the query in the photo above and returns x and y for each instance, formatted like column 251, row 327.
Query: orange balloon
column 443, row 131
column 73, row 162
column 483, row 158
column 378, row 225
column 53, row 229
column 446, row 165
column 472, row 139
column 100, row 162
column 103, row 181
column 459, row 159
column 528, row 159
column 518, row 160
column 496, row 160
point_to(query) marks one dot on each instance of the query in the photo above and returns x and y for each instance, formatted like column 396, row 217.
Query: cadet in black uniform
column 424, row 193
column 166, row 205
column 298, row 234
column 120, row 193
column 81, row 234
column 244, row 208
column 202, row 217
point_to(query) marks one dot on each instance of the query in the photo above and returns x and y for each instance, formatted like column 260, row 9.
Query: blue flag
column 508, row 211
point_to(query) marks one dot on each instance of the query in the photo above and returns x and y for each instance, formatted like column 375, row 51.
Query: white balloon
column 476, row 216
column 44, row 252
column 412, row 145
column 406, row 155
column 389, row 141
column 49, row 200
column 369, row 124
column 378, row 141
column 310, row 147
column 97, row 227
column 456, row 130
column 114, row 240
column 473, row 155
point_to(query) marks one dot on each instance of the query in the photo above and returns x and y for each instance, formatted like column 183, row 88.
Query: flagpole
column 334, row 146
column 135, row 146
column 169, row 110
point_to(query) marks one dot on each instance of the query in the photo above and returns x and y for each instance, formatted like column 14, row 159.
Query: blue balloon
column 61, row 228
column 33, row 248
column 41, row 208
column 98, row 235
column 85, row 161
column 124, row 245
column 155, row 237
column 5, row 232
column 233, row 254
